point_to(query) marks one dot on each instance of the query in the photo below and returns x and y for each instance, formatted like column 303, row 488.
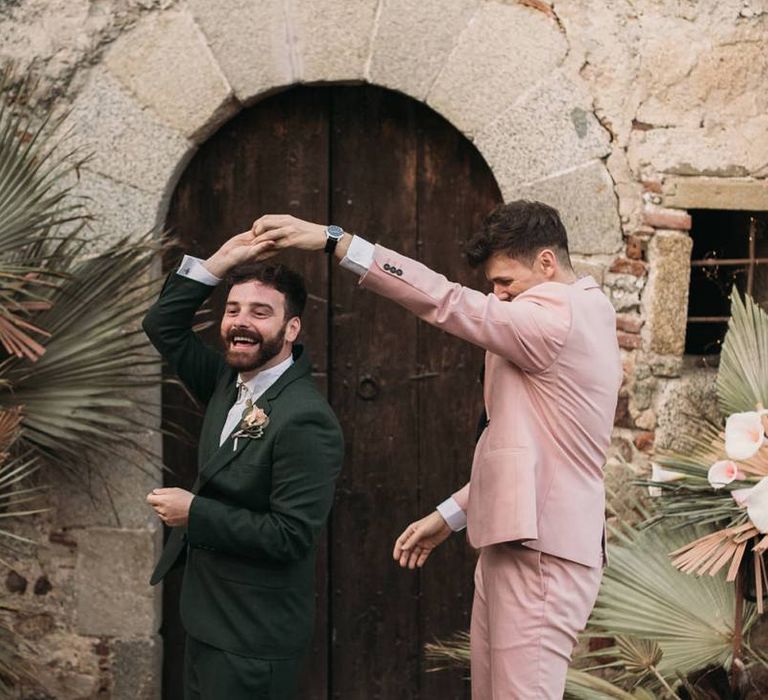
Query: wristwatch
column 333, row 235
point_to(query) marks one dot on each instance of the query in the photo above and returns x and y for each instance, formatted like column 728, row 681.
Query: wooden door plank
column 375, row 605
column 455, row 189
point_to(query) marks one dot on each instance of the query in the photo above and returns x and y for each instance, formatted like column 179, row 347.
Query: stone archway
column 500, row 72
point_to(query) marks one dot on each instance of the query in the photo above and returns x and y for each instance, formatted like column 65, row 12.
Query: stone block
column 504, row 52
column 629, row 323
column 137, row 667
column 587, row 205
column 331, row 38
column 666, row 296
column 694, row 394
column 553, row 129
column 413, row 40
column 628, row 266
column 644, row 441
column 733, row 150
column 127, row 143
column 250, row 41
column 583, row 268
column 118, row 209
column 165, row 61
column 662, row 217
column 113, row 595
column 629, row 341
column 636, row 246
column 112, row 497
column 716, row 193
column 624, row 291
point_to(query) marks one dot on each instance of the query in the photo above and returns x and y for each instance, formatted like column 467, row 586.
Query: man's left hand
column 284, row 231
column 171, row 505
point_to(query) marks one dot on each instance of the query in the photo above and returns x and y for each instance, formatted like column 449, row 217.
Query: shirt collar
column 257, row 385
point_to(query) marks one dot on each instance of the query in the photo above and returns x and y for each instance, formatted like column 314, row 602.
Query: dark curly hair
column 520, row 229
column 279, row 277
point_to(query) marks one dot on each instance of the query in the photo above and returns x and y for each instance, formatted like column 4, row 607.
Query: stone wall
column 622, row 114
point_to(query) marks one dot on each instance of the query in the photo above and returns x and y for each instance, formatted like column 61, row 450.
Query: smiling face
column 254, row 329
column 511, row 277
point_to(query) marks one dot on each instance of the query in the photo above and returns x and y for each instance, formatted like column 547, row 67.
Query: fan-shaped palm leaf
column 78, row 398
column 742, row 379
column 644, row 596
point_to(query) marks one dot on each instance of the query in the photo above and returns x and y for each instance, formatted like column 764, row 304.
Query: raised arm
column 168, row 325
column 528, row 331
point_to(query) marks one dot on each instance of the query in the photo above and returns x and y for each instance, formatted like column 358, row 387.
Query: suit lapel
column 228, row 451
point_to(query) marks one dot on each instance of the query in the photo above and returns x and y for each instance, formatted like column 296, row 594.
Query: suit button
column 387, row 267
column 399, row 272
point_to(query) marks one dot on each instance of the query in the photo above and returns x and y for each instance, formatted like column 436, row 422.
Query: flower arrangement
column 721, row 479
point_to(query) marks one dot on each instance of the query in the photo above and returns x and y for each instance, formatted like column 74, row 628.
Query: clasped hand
column 171, row 505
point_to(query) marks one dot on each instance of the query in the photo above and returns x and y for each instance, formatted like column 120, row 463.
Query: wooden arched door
column 408, row 396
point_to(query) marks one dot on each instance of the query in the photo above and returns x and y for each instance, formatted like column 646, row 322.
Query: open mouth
column 243, row 342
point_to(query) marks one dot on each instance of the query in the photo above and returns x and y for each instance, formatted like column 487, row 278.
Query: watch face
column 335, row 231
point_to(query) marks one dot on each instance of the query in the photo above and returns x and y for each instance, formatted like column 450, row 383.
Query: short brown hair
column 520, row 229
column 279, row 277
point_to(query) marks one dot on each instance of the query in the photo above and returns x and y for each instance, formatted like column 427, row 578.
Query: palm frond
column 580, row 685
column 645, row 597
column 78, row 398
column 742, row 379
column 33, row 196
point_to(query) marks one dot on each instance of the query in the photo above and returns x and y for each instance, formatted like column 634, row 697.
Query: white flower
column 662, row 476
column 723, row 472
column 744, row 434
column 756, row 501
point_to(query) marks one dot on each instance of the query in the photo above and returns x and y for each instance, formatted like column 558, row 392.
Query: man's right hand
column 419, row 539
column 237, row 250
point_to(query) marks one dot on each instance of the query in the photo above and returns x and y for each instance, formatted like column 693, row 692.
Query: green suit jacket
column 260, row 504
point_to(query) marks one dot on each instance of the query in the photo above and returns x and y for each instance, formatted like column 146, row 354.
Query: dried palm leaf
column 742, row 379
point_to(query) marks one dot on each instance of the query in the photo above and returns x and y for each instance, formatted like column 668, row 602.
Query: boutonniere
column 252, row 423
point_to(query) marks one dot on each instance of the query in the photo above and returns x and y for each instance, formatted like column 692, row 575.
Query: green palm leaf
column 742, row 379
column 645, row 597
column 79, row 396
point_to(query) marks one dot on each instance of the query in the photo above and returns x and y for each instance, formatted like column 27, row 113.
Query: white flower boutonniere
column 252, row 424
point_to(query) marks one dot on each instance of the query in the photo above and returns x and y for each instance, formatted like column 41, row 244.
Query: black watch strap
column 333, row 235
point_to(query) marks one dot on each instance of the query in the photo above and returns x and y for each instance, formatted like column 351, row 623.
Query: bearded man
column 269, row 452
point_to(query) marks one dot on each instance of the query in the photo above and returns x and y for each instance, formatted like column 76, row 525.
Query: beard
column 249, row 358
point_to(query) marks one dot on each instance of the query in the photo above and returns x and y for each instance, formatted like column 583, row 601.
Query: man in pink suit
column 534, row 505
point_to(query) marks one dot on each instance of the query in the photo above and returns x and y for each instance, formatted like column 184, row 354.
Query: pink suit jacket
column 552, row 376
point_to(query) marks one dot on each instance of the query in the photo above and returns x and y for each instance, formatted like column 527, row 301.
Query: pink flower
column 723, row 472
column 744, row 434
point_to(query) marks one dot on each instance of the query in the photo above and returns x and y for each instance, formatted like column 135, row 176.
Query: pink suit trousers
column 528, row 609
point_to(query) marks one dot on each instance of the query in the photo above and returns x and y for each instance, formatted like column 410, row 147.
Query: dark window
column 729, row 248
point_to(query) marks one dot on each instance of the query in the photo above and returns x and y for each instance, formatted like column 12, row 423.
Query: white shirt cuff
column 359, row 257
column 194, row 269
column 453, row 514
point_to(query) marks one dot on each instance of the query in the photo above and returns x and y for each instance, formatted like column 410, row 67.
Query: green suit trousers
column 214, row 674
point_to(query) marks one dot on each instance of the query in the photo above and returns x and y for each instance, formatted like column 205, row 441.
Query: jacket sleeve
column 168, row 325
column 307, row 459
column 529, row 331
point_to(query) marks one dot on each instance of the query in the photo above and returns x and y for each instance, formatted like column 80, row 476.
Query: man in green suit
column 269, row 452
